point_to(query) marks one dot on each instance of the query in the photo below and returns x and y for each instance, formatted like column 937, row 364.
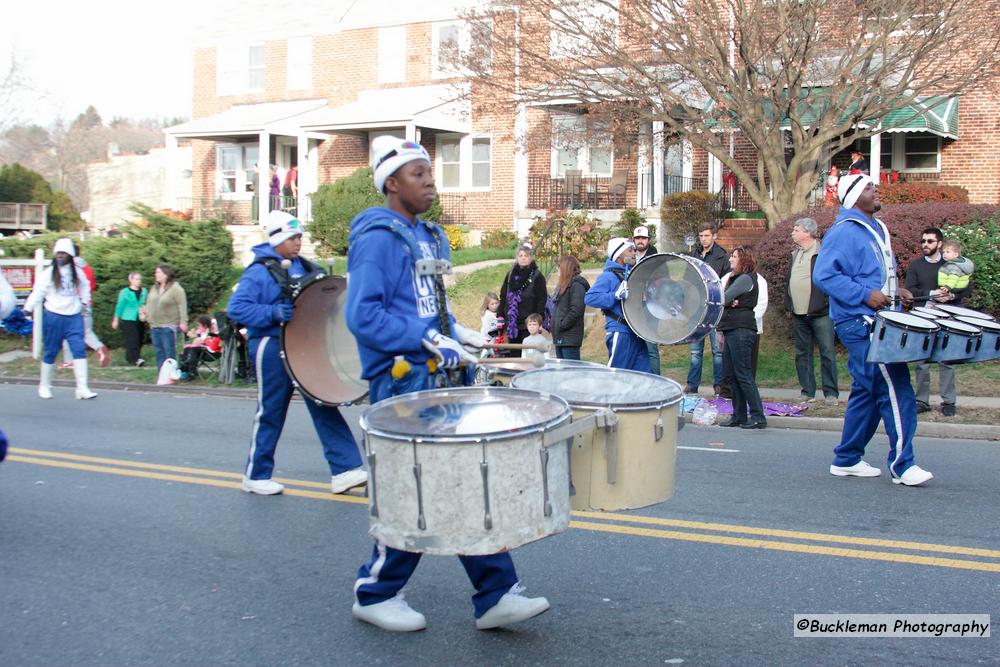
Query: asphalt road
column 110, row 560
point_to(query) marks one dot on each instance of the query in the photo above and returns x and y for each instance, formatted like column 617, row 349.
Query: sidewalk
column 792, row 396
column 459, row 272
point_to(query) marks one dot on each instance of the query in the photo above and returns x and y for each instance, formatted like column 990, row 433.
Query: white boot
column 45, row 380
column 80, row 372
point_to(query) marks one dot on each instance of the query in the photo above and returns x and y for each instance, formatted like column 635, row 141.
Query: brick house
column 313, row 89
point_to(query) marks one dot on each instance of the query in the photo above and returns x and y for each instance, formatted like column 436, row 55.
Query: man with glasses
column 922, row 281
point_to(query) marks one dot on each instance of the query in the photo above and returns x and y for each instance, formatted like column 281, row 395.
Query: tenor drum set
column 940, row 332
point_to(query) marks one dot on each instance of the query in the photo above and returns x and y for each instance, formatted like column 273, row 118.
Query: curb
column 197, row 390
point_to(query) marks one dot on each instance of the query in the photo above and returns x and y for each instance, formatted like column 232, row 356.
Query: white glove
column 469, row 337
column 449, row 351
column 622, row 292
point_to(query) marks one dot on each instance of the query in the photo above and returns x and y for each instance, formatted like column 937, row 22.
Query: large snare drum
column 466, row 470
column 318, row 350
column 901, row 337
column 636, row 468
column 673, row 299
column 956, row 341
column 501, row 373
column 989, row 346
column 961, row 311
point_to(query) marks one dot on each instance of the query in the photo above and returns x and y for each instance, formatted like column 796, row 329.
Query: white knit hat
column 850, row 188
column 617, row 246
column 391, row 153
column 282, row 226
column 64, row 245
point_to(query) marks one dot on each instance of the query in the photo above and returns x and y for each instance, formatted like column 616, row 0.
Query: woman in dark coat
column 567, row 316
column 522, row 294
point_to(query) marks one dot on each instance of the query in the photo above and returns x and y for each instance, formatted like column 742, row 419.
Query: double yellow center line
column 750, row 537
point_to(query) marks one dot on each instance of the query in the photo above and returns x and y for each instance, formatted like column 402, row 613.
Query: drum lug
column 421, row 521
column 658, row 427
column 372, row 496
column 547, row 506
column 611, row 450
column 484, row 469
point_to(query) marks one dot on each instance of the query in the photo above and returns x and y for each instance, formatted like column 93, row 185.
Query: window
column 235, row 173
column 906, row 151
column 464, row 162
column 391, row 54
column 575, row 27
column 239, row 68
column 299, row 64
column 454, row 42
column 577, row 144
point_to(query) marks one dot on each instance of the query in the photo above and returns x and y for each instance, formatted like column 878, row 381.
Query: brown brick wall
column 738, row 231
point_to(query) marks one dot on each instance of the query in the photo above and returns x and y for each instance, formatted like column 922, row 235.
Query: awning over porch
column 443, row 107
column 938, row 115
column 249, row 119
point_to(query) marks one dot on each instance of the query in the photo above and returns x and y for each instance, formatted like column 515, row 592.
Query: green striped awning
column 937, row 114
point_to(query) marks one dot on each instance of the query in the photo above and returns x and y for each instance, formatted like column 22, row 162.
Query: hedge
column 905, row 223
column 682, row 212
column 916, row 193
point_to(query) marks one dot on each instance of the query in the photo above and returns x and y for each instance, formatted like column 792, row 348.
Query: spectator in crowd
column 63, row 290
column 758, row 312
column 89, row 337
column 536, row 338
column 643, row 249
column 274, row 186
column 204, row 340
column 166, row 313
column 809, row 309
column 489, row 322
column 956, row 271
column 130, row 317
column 739, row 324
column 523, row 293
column 625, row 348
column 859, row 165
column 715, row 256
column 569, row 308
column 922, row 276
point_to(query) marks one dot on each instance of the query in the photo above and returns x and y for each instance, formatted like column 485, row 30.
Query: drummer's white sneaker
column 348, row 480
column 859, row 469
column 395, row 615
column 913, row 476
column 512, row 608
column 262, row 487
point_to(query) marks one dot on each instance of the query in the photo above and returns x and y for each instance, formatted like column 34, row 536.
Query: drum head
column 908, row 320
column 602, row 387
column 319, row 351
column 985, row 325
column 516, row 365
column 670, row 296
column 929, row 313
column 464, row 413
column 955, row 311
column 955, row 326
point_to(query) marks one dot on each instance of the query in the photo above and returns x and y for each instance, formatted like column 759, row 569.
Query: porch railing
column 589, row 192
column 671, row 184
column 17, row 216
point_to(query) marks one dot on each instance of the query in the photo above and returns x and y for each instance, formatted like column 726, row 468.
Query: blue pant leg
column 274, row 391
column 74, row 333
column 339, row 447
column 492, row 576
column 638, row 354
column 862, row 415
column 694, row 371
column 898, row 406
column 384, row 575
column 713, row 340
column 53, row 333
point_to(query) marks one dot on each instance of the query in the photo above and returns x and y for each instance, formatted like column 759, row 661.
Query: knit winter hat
column 64, row 245
column 851, row 187
column 617, row 246
column 391, row 153
column 282, row 226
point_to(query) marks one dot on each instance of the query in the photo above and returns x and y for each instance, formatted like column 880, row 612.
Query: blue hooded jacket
column 849, row 265
column 389, row 309
column 602, row 295
column 252, row 304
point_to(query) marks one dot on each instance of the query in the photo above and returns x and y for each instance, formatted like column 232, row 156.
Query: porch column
column 657, row 161
column 312, row 177
column 411, row 132
column 642, row 164
column 302, row 207
column 171, row 184
column 520, row 159
column 264, row 177
column 874, row 163
column 687, row 162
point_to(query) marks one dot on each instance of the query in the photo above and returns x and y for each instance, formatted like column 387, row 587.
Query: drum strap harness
column 285, row 282
column 889, row 283
column 607, row 312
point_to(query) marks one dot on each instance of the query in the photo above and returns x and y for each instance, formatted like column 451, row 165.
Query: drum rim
column 624, row 407
column 949, row 325
column 948, row 307
column 510, row 372
column 990, row 325
column 930, row 314
column 465, row 437
column 880, row 315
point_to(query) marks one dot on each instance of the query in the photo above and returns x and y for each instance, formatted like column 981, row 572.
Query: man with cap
column 409, row 341
column 857, row 271
column 262, row 302
column 643, row 249
column 625, row 348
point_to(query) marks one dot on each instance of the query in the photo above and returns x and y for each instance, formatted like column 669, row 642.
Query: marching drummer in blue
column 625, row 348
column 262, row 301
column 857, row 270
column 397, row 312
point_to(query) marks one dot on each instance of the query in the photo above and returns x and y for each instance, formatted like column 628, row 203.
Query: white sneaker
column 913, row 476
column 512, row 608
column 395, row 615
column 348, row 480
column 262, row 487
column 859, row 469
column 85, row 394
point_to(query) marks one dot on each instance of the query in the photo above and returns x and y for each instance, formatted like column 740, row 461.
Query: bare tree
column 797, row 79
column 13, row 90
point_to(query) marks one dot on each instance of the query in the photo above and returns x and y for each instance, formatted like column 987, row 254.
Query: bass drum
column 317, row 349
column 673, row 299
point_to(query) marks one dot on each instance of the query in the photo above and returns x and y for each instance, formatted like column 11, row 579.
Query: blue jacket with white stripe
column 602, row 295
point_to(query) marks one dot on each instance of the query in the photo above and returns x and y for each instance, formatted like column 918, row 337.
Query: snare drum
column 901, row 337
column 502, row 372
column 317, row 348
column 673, row 299
column 989, row 346
column 636, row 468
column 960, row 311
column 466, row 470
column 956, row 342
